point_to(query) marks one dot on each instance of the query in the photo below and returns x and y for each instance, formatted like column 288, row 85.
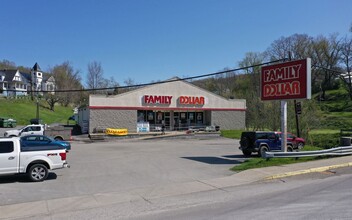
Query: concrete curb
column 311, row 170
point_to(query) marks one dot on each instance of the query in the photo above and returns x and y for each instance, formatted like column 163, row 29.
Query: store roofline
column 165, row 108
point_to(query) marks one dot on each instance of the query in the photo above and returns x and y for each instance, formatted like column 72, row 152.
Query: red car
column 299, row 142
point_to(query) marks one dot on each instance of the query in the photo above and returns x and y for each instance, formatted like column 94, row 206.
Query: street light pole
column 37, row 106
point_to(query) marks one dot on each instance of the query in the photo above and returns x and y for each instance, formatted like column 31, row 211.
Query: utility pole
column 37, row 109
column 297, row 112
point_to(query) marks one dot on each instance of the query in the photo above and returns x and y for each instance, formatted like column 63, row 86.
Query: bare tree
column 6, row 64
column 67, row 78
column 113, row 86
column 130, row 83
column 346, row 61
column 95, row 77
column 326, row 56
column 299, row 45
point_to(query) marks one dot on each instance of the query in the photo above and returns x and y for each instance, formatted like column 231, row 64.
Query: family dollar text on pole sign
column 290, row 80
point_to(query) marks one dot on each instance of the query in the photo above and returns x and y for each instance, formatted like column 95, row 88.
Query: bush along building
column 14, row 83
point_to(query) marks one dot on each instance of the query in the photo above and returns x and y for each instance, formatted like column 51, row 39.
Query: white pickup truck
column 36, row 163
column 57, row 132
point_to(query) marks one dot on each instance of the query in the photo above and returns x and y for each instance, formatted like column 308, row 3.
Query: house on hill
column 15, row 83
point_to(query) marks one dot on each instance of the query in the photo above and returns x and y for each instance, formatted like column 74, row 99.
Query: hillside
column 337, row 110
column 23, row 110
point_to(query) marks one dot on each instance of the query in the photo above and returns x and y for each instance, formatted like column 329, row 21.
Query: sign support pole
column 284, row 125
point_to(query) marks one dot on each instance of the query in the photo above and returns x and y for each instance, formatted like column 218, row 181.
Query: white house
column 16, row 83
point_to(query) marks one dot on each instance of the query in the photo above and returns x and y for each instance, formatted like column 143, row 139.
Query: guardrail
column 338, row 151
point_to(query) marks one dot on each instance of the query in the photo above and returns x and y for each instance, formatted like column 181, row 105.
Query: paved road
column 126, row 165
column 325, row 195
column 135, row 178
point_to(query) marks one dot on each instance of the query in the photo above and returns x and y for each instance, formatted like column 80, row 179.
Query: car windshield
column 50, row 138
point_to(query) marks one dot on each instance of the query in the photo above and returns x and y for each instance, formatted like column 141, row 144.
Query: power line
column 160, row 82
column 166, row 81
column 328, row 69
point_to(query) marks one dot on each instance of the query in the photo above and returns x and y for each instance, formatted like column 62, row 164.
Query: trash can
column 3, row 122
column 11, row 122
column 345, row 141
column 7, row 122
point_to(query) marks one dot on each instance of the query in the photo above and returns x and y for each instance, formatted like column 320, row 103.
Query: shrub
column 324, row 140
column 236, row 134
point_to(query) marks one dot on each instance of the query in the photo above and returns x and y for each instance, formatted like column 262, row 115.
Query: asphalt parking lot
column 129, row 164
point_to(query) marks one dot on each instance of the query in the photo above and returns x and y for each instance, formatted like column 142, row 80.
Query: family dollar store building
column 177, row 104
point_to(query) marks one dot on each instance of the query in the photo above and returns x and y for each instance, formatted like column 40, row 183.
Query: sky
column 151, row 40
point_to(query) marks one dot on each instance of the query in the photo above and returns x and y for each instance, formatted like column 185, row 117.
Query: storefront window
column 181, row 120
column 141, row 117
column 199, row 117
column 159, row 117
column 150, row 116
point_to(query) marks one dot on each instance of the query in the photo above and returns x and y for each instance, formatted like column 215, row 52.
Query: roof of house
column 36, row 67
column 25, row 77
column 9, row 74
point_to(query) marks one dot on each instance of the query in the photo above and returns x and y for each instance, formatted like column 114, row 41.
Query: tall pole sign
column 285, row 81
column 290, row 80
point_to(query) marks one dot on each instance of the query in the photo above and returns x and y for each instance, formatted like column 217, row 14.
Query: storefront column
column 172, row 121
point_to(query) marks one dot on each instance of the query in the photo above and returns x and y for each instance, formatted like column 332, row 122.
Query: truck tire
column 262, row 150
column 289, row 148
column 38, row 172
column 245, row 143
column 58, row 139
column 300, row 145
column 247, row 153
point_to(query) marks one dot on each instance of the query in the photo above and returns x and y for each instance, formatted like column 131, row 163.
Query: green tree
column 51, row 100
column 257, row 116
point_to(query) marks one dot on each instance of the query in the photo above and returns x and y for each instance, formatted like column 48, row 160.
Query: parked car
column 58, row 132
column 27, row 130
column 41, row 142
column 16, row 159
column 262, row 141
column 297, row 141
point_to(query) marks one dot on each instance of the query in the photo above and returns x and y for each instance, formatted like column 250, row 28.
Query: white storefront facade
column 178, row 105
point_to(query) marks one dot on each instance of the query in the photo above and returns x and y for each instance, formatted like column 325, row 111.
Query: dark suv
column 261, row 141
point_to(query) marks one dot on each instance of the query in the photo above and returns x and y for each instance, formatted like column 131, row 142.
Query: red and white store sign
column 191, row 100
column 166, row 100
column 290, row 80
column 157, row 99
